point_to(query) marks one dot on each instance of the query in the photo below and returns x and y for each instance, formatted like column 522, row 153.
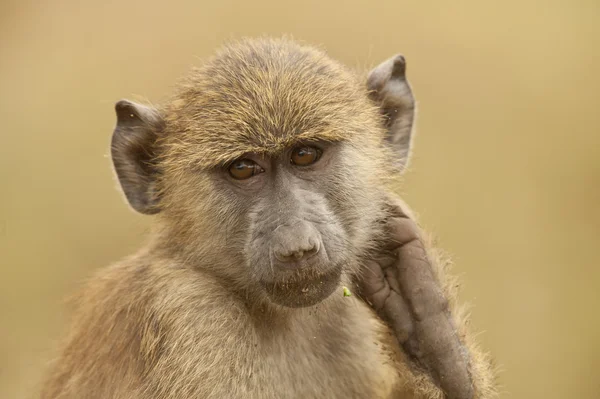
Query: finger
column 400, row 231
column 396, row 312
column 373, row 285
column 383, row 294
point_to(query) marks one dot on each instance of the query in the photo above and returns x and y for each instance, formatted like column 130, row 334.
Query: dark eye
column 304, row 156
column 243, row 169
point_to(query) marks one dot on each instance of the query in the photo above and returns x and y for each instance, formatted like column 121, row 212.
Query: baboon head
column 268, row 166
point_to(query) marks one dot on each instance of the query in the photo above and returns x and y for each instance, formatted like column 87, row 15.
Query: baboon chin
column 269, row 174
column 305, row 288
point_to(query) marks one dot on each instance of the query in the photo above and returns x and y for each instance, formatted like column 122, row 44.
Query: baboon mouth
column 303, row 290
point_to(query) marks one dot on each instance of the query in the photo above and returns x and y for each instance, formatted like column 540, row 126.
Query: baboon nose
column 292, row 245
column 295, row 255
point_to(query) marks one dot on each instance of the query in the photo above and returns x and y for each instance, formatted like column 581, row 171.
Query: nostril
column 294, row 244
column 311, row 252
column 316, row 247
column 287, row 255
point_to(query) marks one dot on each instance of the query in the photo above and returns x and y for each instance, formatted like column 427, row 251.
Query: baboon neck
column 273, row 318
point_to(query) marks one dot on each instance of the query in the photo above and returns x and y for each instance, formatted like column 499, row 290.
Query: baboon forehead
column 265, row 95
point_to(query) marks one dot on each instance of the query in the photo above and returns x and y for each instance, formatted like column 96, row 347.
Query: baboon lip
column 303, row 290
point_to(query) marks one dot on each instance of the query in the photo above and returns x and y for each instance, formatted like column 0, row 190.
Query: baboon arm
column 406, row 286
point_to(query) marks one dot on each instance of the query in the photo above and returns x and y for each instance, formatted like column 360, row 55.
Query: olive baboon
column 269, row 175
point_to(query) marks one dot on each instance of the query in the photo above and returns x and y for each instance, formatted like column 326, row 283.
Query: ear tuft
column 399, row 67
column 133, row 153
column 126, row 113
column 390, row 90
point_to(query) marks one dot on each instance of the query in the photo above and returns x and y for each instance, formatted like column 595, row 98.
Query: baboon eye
column 304, row 156
column 243, row 169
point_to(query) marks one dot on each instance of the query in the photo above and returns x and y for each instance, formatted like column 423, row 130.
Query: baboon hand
column 401, row 286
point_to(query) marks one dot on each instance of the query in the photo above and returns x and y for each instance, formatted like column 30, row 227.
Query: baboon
column 280, row 264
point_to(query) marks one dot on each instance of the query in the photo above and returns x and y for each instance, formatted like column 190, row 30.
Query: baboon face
column 298, row 239
column 270, row 161
column 292, row 220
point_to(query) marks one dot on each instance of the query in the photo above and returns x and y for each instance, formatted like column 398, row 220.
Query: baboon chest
column 323, row 357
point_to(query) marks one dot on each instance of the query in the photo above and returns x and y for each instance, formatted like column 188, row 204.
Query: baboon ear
column 389, row 88
column 133, row 154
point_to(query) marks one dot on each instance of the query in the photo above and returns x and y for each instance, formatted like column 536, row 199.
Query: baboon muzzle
column 295, row 246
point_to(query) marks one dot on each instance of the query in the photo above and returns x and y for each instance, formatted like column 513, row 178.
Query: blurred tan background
column 506, row 170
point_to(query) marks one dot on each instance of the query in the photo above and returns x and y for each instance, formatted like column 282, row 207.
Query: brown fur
column 326, row 97
column 178, row 320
